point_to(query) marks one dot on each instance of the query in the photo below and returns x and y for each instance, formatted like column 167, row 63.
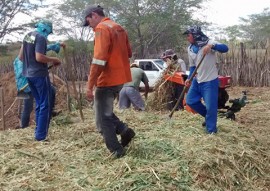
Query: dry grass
column 166, row 154
column 162, row 96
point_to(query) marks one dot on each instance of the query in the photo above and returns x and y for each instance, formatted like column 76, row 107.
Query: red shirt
column 111, row 50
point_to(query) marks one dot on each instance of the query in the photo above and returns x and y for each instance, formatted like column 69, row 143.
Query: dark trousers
column 27, row 110
column 178, row 88
column 28, row 107
column 108, row 124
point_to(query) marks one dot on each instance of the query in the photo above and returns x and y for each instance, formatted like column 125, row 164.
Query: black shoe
column 126, row 136
column 119, row 153
column 55, row 113
column 204, row 124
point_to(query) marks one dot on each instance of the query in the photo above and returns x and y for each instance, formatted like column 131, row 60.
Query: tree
column 68, row 19
column 232, row 32
column 255, row 29
column 9, row 9
column 152, row 25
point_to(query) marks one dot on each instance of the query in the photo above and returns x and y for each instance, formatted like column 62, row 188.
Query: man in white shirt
column 205, row 84
column 180, row 66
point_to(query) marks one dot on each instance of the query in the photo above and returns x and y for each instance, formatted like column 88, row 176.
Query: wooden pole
column 2, row 108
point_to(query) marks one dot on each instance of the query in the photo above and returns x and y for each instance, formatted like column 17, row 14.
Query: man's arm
column 146, row 89
column 21, row 54
column 40, row 52
column 99, row 61
column 146, row 85
column 45, row 59
column 222, row 48
column 192, row 65
column 95, row 71
column 128, row 48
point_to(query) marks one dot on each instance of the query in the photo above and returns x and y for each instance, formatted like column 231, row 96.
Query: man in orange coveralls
column 109, row 71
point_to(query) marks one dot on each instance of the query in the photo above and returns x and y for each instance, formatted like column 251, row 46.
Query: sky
column 225, row 13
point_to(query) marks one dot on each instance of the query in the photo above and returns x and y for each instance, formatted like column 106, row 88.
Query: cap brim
column 85, row 23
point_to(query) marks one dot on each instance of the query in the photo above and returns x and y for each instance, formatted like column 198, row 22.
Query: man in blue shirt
column 205, row 84
column 22, row 86
column 35, row 69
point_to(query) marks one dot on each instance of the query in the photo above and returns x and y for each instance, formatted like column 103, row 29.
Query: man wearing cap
column 130, row 93
column 22, row 86
column 109, row 71
column 179, row 65
column 205, row 84
column 35, row 69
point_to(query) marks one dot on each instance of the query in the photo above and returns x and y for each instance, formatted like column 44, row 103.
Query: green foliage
column 8, row 11
column 152, row 25
column 3, row 50
column 255, row 29
column 233, row 32
column 62, row 120
column 8, row 53
column 69, row 19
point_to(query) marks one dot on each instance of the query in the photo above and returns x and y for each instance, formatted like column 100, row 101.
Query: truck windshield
column 160, row 63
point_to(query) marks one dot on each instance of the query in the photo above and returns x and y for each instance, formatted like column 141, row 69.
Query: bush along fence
column 247, row 67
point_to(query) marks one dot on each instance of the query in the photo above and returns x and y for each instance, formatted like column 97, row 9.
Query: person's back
column 112, row 45
column 35, row 69
column 34, row 42
column 130, row 94
column 138, row 76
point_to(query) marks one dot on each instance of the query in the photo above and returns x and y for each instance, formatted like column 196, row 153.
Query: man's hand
column 56, row 62
column 90, row 94
column 62, row 44
column 145, row 95
column 207, row 49
column 187, row 83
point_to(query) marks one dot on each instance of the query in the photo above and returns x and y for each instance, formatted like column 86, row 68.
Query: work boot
column 55, row 113
column 204, row 124
column 127, row 136
column 119, row 153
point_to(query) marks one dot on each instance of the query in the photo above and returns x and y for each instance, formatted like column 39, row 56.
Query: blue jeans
column 108, row 124
column 41, row 91
column 209, row 92
column 28, row 107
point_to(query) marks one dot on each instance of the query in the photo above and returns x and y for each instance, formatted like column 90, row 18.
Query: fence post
column 2, row 107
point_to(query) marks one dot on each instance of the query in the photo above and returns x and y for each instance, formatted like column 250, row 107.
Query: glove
column 54, row 47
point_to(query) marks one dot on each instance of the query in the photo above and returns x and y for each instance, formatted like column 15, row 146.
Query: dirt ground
column 255, row 115
column 7, row 81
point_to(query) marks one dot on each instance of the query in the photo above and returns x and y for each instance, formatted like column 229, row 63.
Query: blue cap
column 193, row 30
column 45, row 25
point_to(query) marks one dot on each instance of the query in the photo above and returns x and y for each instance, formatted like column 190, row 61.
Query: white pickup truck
column 152, row 68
